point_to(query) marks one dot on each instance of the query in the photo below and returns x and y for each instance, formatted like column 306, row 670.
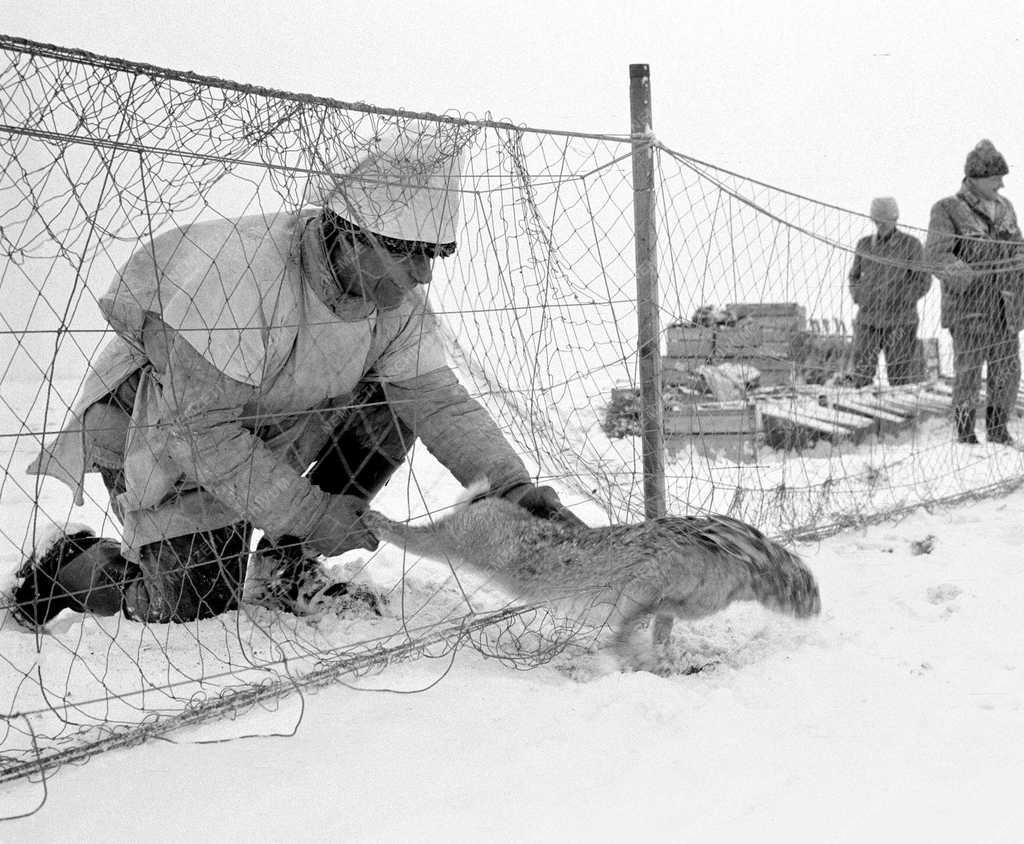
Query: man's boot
column 963, row 417
column 285, row 577
column 995, row 425
column 73, row 569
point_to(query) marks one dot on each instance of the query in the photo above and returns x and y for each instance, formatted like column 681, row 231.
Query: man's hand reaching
column 341, row 528
column 543, row 502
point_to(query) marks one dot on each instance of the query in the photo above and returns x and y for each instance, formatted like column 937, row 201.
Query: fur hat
column 985, row 160
column 884, row 209
column 403, row 187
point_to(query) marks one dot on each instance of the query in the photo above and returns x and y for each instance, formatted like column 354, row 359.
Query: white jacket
column 225, row 425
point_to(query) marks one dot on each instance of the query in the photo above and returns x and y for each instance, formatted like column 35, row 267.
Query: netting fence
column 537, row 308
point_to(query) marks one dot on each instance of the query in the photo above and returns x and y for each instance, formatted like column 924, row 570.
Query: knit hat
column 985, row 160
column 403, row 187
column 884, row 210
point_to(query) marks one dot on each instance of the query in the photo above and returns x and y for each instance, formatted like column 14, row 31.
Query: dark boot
column 78, row 571
column 995, row 425
column 963, row 417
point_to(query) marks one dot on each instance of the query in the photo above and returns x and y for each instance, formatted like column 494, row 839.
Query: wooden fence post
column 648, row 321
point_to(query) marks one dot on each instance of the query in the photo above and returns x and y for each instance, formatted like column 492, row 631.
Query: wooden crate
column 715, row 429
column 777, row 316
column 622, row 415
column 777, row 320
column 738, row 341
column 729, row 429
column 690, row 341
column 768, row 309
column 740, row 448
column 628, row 398
column 737, row 417
column 780, row 352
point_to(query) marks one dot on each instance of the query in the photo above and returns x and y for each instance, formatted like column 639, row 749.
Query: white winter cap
column 405, row 186
column 884, row 210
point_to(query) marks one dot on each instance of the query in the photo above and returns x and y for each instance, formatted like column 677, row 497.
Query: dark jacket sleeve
column 941, row 250
column 919, row 280
column 202, row 409
column 855, row 276
column 456, row 429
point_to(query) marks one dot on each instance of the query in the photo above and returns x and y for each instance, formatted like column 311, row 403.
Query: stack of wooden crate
column 763, row 337
column 779, row 324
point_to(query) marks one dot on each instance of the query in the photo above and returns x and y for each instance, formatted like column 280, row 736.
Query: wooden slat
column 767, row 309
column 884, row 421
column 788, row 428
column 837, row 416
column 911, row 405
column 894, row 408
column 855, row 426
column 924, row 403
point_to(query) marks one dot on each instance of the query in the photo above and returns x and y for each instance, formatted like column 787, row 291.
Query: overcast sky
column 841, row 101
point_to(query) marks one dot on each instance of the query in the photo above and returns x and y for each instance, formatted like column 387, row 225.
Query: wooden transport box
column 712, row 418
column 690, row 341
column 768, row 309
column 739, row 341
column 739, row 448
column 730, row 430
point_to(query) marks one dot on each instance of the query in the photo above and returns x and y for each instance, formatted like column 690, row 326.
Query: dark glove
column 341, row 528
column 543, row 502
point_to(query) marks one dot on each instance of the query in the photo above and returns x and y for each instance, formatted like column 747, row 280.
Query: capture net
column 537, row 309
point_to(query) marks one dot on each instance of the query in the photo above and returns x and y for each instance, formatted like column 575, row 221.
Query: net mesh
column 537, row 308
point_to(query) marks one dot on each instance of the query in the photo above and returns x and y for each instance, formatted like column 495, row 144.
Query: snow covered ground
column 895, row 716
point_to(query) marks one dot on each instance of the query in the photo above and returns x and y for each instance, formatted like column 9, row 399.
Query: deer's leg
column 624, row 631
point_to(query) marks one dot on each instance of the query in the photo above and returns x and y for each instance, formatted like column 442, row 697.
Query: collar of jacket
column 322, row 279
column 878, row 240
column 977, row 204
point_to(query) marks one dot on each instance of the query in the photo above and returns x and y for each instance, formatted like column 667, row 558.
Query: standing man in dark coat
column 886, row 281
column 974, row 246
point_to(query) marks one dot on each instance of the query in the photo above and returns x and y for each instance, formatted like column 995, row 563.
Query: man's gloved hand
column 341, row 529
column 543, row 502
column 958, row 274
